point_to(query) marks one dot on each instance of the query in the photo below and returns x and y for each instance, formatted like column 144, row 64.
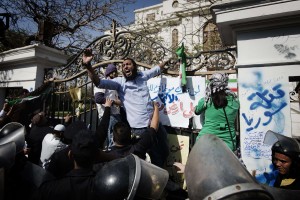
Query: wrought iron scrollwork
column 120, row 45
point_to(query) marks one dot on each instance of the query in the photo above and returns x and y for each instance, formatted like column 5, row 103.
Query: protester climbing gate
column 73, row 91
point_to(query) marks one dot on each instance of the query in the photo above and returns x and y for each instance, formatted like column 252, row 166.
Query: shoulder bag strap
column 233, row 142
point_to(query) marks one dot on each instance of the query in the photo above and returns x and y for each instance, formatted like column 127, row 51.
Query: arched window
column 211, row 37
column 174, row 38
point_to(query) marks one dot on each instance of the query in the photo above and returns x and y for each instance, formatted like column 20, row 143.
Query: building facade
column 173, row 22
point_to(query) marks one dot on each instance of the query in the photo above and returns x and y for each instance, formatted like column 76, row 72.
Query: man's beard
column 132, row 76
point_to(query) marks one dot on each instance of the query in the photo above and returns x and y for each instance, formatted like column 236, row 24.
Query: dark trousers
column 160, row 150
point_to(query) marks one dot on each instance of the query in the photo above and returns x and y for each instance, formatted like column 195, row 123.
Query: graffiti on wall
column 266, row 100
column 264, row 106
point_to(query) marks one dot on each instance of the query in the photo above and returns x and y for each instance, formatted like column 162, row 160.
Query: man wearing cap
column 51, row 143
column 60, row 164
column 79, row 182
column 101, row 94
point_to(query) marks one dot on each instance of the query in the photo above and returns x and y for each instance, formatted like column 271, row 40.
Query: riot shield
column 286, row 144
column 7, row 154
column 214, row 172
column 13, row 132
column 130, row 177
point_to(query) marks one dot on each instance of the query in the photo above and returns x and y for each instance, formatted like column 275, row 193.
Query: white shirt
column 113, row 95
column 49, row 145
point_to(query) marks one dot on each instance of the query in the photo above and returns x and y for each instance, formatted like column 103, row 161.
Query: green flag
column 182, row 57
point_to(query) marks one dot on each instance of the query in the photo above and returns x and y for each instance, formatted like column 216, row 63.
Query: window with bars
column 150, row 17
column 211, row 37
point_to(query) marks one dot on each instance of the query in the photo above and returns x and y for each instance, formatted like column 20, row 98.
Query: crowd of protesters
column 68, row 155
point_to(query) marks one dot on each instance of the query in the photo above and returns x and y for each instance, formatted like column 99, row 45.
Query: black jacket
column 34, row 141
column 78, row 184
column 291, row 183
column 139, row 147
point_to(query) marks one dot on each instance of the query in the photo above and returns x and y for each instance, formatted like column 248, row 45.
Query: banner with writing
column 176, row 106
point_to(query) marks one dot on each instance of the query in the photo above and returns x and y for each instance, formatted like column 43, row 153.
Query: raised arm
column 86, row 62
column 162, row 65
column 40, row 90
column 4, row 110
column 155, row 118
column 200, row 106
column 102, row 129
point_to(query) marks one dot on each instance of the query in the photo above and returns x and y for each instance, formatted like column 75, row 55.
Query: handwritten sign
column 264, row 100
column 176, row 106
column 179, row 151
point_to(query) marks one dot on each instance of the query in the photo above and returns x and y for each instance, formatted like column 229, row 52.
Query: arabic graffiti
column 264, row 101
column 170, row 96
column 271, row 102
column 254, row 147
column 264, row 97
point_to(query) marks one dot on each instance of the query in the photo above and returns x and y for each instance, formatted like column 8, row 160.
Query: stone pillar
column 24, row 67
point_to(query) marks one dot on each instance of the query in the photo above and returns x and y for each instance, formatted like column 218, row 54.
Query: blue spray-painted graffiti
column 254, row 147
column 266, row 100
column 268, row 177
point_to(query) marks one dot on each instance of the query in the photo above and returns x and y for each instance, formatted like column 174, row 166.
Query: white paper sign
column 176, row 106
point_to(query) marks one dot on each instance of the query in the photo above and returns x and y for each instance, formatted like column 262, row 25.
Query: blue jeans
column 112, row 121
column 160, row 150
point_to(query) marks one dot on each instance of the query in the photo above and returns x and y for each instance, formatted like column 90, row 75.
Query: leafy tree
column 64, row 24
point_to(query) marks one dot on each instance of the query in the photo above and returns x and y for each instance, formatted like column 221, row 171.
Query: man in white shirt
column 51, row 143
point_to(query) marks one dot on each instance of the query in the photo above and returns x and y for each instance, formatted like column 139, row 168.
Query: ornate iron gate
column 73, row 91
